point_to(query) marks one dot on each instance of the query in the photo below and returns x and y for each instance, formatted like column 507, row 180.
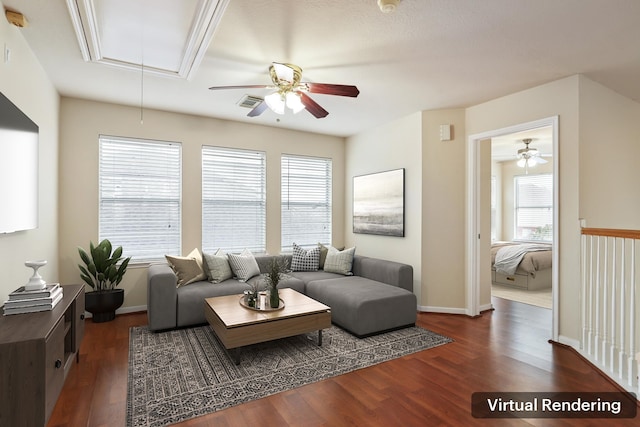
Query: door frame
column 474, row 214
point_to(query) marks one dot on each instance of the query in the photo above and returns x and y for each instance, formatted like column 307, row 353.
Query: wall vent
column 249, row 101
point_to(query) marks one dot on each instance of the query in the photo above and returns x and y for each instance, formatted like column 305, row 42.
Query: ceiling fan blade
column 241, row 87
column 312, row 106
column 331, row 89
column 540, row 160
column 258, row 109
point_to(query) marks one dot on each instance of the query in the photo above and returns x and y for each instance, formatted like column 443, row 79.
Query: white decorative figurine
column 36, row 282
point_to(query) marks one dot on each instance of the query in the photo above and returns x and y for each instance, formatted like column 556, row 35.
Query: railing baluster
column 632, row 315
column 583, row 294
column 623, row 305
column 605, row 306
column 597, row 308
column 612, row 346
column 609, row 288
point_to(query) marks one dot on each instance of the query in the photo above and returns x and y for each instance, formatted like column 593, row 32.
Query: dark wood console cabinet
column 36, row 353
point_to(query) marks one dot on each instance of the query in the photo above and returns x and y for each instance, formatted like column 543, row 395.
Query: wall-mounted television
column 18, row 169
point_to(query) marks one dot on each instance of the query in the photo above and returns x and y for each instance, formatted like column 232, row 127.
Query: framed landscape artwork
column 378, row 203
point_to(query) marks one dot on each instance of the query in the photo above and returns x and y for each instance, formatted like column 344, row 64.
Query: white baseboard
column 569, row 341
column 445, row 310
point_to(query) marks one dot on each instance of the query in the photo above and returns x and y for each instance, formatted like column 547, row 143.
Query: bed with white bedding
column 521, row 265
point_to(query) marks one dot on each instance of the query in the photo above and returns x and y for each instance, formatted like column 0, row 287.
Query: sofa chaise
column 377, row 297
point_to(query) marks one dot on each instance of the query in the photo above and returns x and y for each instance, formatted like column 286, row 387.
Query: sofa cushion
column 188, row 268
column 339, row 261
column 310, row 276
column 244, row 265
column 218, row 267
column 305, row 260
column 364, row 306
column 190, row 299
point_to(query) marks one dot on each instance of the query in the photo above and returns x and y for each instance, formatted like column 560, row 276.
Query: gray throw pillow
column 303, row 260
column 339, row 261
column 219, row 269
column 244, row 265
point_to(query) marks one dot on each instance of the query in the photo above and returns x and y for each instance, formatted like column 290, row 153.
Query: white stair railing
column 609, row 289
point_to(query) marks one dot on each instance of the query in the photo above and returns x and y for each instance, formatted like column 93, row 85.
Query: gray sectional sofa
column 377, row 297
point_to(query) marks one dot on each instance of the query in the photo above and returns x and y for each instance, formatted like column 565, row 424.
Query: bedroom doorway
column 522, row 216
column 480, row 204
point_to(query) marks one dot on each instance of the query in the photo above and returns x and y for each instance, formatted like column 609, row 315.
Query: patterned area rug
column 185, row 373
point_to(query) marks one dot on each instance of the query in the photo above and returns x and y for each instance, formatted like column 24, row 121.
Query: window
column 534, row 207
column 233, row 200
column 306, row 201
column 140, row 197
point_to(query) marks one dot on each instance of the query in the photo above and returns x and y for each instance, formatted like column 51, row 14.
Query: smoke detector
column 388, row 6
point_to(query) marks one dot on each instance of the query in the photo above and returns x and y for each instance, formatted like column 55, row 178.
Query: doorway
column 522, row 216
column 478, row 243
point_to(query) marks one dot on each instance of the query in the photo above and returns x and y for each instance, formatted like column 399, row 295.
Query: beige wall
column 389, row 146
column 82, row 121
column 23, row 81
column 443, row 207
column 609, row 158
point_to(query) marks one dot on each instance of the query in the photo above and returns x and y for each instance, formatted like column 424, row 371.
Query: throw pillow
column 339, row 261
column 218, row 267
column 188, row 268
column 303, row 260
column 323, row 254
column 244, row 265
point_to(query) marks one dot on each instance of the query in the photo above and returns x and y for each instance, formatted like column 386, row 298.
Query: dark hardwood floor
column 502, row 350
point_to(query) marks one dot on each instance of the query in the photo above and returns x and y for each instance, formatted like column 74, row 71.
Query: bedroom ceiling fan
column 291, row 93
column 529, row 156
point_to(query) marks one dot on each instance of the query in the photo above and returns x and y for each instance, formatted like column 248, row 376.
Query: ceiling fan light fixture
column 388, row 6
column 522, row 163
column 294, row 102
column 276, row 102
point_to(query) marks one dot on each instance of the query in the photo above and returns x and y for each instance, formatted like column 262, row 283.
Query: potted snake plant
column 103, row 271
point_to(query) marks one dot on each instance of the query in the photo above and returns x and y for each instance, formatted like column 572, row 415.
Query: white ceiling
column 429, row 54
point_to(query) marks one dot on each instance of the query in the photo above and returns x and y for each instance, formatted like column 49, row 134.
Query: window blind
column 233, row 200
column 534, row 207
column 140, row 196
column 306, row 201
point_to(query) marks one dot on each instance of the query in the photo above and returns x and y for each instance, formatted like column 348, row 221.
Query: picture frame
column 378, row 203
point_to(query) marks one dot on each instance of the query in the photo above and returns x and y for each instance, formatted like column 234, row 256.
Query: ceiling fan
column 290, row 92
column 529, row 156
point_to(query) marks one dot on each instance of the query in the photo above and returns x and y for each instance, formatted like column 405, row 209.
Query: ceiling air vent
column 249, row 101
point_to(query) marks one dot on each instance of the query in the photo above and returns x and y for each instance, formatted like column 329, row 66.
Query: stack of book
column 22, row 301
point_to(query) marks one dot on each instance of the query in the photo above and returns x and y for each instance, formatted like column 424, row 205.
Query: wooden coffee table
column 237, row 326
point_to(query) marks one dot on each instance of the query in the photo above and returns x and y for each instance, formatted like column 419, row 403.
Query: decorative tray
column 267, row 308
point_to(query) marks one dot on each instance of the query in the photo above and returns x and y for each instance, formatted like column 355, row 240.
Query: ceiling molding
column 166, row 50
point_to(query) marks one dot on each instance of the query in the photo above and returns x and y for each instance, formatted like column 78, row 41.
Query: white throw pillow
column 188, row 268
column 244, row 265
column 339, row 261
column 303, row 260
column 218, row 266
